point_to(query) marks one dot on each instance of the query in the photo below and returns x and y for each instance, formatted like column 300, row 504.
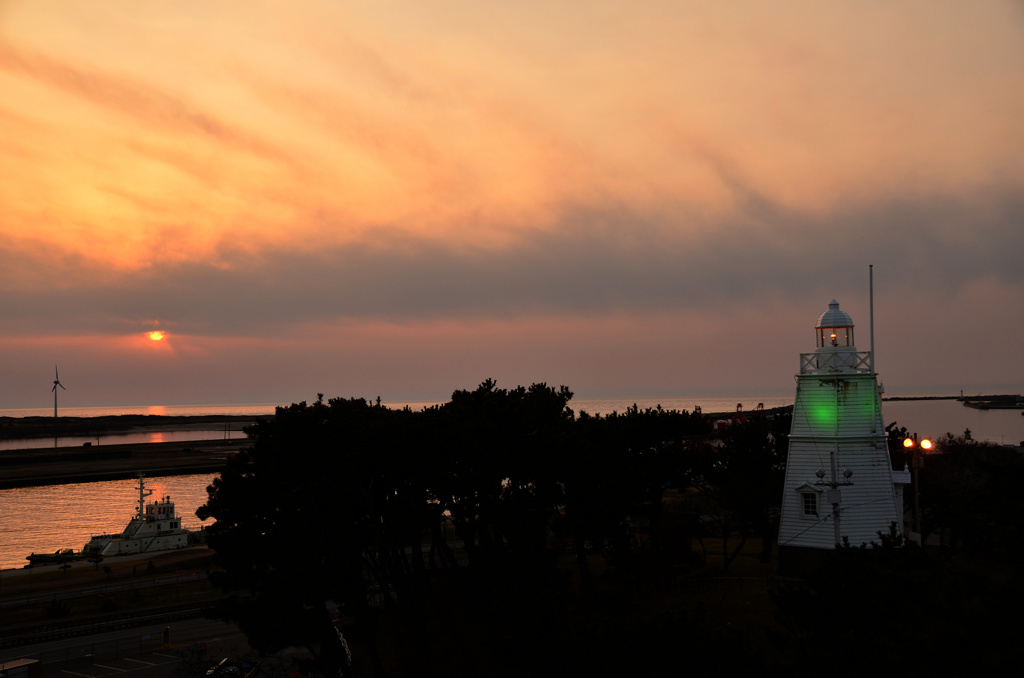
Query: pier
column 29, row 468
column 980, row 402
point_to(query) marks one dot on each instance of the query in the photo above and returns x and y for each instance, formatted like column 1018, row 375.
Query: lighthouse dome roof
column 833, row 317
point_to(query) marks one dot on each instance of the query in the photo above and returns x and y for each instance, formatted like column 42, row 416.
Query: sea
column 44, row 519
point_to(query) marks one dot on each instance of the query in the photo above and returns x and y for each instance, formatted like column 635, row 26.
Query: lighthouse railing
column 858, row 362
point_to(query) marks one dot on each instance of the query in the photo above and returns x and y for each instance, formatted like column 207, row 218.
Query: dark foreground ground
column 643, row 625
column 147, row 616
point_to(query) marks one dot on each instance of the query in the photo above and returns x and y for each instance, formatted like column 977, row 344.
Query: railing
column 838, row 361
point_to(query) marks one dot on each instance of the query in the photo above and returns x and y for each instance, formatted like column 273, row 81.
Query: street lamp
column 916, row 462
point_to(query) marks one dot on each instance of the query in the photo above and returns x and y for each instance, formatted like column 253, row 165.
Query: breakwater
column 28, row 468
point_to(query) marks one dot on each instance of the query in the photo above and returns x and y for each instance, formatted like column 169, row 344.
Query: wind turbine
column 56, row 383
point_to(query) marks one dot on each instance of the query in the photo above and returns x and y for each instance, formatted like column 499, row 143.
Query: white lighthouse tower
column 839, row 479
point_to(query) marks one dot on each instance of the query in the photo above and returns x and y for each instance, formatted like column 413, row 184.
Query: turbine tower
column 56, row 383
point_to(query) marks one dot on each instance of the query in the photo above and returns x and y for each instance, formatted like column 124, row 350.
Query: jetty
column 978, row 402
column 63, row 465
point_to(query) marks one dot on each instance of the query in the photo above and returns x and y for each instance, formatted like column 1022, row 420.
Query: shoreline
column 37, row 467
column 29, row 428
column 66, row 465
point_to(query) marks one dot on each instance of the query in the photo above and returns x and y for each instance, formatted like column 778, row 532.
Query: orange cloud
column 170, row 136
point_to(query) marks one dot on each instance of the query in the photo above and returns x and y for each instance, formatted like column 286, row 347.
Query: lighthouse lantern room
column 839, row 478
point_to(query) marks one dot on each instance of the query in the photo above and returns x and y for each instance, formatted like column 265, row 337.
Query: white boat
column 155, row 527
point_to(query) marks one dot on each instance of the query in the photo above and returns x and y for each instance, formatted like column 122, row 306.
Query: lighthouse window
column 810, row 503
column 835, row 336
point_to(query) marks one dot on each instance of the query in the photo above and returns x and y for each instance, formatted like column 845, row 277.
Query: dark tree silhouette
column 969, row 496
column 618, row 468
column 744, row 482
column 293, row 525
column 416, row 522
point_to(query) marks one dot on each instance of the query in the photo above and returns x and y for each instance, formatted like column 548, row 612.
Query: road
column 192, row 646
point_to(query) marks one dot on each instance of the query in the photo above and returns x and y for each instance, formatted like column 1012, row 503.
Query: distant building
column 839, row 478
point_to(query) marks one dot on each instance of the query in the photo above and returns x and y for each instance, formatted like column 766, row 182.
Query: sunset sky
column 245, row 201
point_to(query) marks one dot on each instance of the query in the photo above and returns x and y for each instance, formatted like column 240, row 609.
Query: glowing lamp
column 926, row 444
column 908, row 442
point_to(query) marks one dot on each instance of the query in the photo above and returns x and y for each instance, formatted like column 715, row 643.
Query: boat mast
column 143, row 493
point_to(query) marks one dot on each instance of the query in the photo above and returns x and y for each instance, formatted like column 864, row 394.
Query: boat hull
column 59, row 557
column 119, row 547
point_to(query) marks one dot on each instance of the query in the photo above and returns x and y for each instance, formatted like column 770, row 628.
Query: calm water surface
column 177, row 436
column 44, row 519
column 935, row 418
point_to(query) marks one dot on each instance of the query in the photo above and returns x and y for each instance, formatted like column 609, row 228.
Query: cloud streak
column 432, row 186
column 138, row 100
column 613, row 261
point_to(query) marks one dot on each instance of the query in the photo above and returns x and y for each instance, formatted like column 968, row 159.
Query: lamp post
column 916, row 462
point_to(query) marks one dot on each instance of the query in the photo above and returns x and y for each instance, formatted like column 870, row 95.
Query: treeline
column 470, row 534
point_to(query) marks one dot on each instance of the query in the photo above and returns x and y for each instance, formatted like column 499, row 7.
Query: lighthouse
column 839, row 478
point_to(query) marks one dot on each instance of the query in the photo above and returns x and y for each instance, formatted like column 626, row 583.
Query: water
column 44, row 519
column 179, row 434
column 935, row 418
column 154, row 436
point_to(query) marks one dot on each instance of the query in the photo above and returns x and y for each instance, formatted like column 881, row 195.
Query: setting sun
column 157, row 335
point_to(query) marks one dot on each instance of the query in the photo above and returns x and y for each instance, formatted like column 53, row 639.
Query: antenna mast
column 143, row 493
column 871, row 307
column 874, row 375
